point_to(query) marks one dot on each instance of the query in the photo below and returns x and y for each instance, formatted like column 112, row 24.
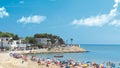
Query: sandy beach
column 9, row 62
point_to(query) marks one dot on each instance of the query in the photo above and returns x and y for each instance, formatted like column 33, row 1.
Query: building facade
column 45, row 41
column 18, row 44
column 5, row 41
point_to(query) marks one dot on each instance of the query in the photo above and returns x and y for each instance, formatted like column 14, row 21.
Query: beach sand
column 9, row 62
column 6, row 61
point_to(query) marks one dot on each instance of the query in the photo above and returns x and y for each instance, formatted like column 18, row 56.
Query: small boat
column 58, row 56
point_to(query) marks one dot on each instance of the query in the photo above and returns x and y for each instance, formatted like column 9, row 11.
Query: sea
column 98, row 53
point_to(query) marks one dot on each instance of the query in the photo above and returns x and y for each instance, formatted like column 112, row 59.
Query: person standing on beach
column 39, row 62
column 22, row 61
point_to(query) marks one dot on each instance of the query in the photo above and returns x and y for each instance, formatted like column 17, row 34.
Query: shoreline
column 25, row 61
column 71, row 49
column 33, row 52
column 32, row 62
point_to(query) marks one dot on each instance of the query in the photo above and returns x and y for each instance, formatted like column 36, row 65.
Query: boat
column 61, row 56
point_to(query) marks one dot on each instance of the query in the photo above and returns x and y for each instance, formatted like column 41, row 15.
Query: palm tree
column 71, row 39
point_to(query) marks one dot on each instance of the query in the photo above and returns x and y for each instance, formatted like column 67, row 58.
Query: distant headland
column 39, row 43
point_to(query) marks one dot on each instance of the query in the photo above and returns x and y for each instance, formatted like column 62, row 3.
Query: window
column 17, row 42
column 7, row 39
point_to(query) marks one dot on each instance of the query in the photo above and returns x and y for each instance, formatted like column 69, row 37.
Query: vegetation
column 53, row 38
column 40, row 45
column 32, row 40
column 7, row 48
column 15, row 37
column 71, row 41
column 6, row 34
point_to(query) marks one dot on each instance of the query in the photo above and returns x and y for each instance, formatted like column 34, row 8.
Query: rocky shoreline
column 70, row 49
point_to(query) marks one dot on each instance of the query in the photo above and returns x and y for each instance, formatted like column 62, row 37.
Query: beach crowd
column 68, row 63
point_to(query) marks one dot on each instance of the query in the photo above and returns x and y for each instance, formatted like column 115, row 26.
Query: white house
column 44, row 41
column 18, row 44
column 15, row 43
column 5, row 41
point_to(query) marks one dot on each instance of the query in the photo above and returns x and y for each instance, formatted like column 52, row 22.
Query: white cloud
column 116, row 3
column 115, row 22
column 92, row 21
column 99, row 20
column 3, row 12
column 32, row 19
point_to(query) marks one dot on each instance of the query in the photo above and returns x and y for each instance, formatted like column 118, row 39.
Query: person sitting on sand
column 25, row 57
column 22, row 61
column 39, row 62
column 47, row 65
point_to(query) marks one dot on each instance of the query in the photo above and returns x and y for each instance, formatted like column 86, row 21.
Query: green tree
column 7, row 48
column 16, row 37
column 7, row 34
column 71, row 39
column 61, row 41
column 40, row 45
column 31, row 40
column 0, row 34
column 51, row 37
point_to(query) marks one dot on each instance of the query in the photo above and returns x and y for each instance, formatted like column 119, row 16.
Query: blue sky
column 86, row 21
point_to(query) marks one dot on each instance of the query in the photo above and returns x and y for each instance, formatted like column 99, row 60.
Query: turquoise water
column 102, row 53
column 98, row 53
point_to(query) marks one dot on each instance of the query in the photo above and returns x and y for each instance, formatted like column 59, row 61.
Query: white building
column 18, row 44
column 5, row 41
column 44, row 41
column 15, row 43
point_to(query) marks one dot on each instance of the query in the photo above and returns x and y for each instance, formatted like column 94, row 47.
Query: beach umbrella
column 88, row 62
column 84, row 65
column 101, row 66
column 48, row 59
